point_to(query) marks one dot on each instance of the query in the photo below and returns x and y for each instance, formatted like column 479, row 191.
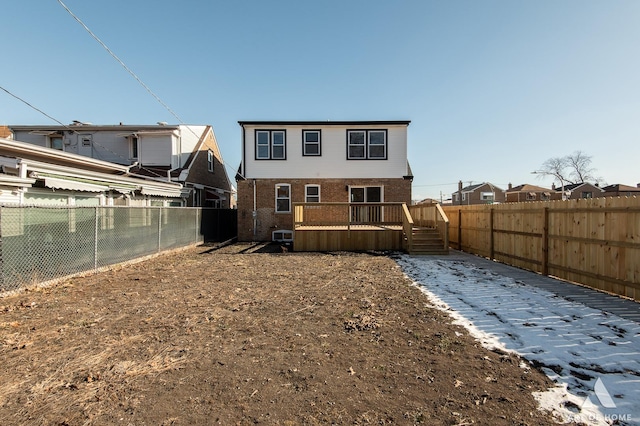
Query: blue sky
column 492, row 87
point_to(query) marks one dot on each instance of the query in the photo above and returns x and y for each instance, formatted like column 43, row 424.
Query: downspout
column 255, row 211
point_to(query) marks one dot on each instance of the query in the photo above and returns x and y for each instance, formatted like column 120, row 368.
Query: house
column 620, row 190
column 5, row 132
column 481, row 193
column 185, row 154
column 287, row 162
column 576, row 191
column 527, row 192
column 34, row 175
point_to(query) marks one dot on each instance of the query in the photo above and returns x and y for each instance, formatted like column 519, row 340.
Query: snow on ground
column 592, row 355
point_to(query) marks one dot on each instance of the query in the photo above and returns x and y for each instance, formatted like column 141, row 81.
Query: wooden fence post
column 460, row 228
column 545, row 241
column 491, row 249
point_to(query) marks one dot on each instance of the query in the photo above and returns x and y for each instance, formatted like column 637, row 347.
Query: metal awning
column 73, row 185
column 161, row 192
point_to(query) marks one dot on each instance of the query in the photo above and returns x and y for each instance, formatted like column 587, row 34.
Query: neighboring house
column 286, row 162
column 576, row 191
column 526, row 192
column 5, row 132
column 620, row 190
column 33, row 175
column 185, row 154
column 481, row 193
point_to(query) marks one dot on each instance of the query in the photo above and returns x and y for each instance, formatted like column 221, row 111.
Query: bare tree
column 570, row 169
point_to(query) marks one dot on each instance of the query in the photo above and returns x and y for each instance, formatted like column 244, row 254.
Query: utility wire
column 157, row 98
column 33, row 107
column 120, row 61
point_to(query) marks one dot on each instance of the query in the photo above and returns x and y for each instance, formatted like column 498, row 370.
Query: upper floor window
column 367, row 144
column 283, row 198
column 587, row 194
column 55, row 142
column 210, row 160
column 133, row 144
column 311, row 142
column 312, row 194
column 271, row 145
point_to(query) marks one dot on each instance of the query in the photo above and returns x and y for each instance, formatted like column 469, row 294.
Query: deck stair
column 427, row 241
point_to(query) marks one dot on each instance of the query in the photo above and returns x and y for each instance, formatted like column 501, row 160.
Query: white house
column 185, row 154
column 33, row 175
column 284, row 162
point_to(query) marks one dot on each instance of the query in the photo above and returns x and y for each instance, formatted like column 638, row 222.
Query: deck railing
column 347, row 214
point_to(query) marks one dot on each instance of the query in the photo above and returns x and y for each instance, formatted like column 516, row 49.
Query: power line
column 157, row 98
column 120, row 61
column 33, row 107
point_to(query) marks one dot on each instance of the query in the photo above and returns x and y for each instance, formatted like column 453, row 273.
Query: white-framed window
column 133, row 147
column 283, row 235
column 377, row 144
column 312, row 193
column 311, row 143
column 210, row 160
column 355, row 144
column 271, row 145
column 486, row 196
column 587, row 194
column 366, row 144
column 55, row 142
column 283, row 198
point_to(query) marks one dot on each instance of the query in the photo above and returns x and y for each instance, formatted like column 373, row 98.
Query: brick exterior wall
column 331, row 190
column 199, row 172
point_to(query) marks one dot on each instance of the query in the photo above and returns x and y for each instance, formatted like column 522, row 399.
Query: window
column 311, row 142
column 587, row 194
column 487, row 196
column 283, row 235
column 312, row 194
column 210, row 160
column 377, row 144
column 133, row 142
column 283, row 198
column 271, row 145
column 366, row 144
column 356, row 144
column 56, row 142
column 531, row 196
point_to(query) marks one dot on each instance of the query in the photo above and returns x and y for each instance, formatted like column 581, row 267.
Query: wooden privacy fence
column 595, row 242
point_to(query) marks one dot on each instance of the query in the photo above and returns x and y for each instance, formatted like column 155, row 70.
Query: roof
column 525, row 187
column 618, row 187
column 574, row 186
column 35, row 152
column 325, row 123
column 472, row 188
column 88, row 127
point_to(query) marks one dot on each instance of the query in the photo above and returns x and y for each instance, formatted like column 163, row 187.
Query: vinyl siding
column 333, row 162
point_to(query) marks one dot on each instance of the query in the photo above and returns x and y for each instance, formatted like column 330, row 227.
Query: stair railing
column 407, row 229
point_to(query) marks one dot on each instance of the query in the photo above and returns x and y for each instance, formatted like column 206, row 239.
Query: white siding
column 155, row 150
column 9, row 195
column 333, row 162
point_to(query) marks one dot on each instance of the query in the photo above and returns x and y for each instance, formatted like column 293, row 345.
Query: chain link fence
column 39, row 244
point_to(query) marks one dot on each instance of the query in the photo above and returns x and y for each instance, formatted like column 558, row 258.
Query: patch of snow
column 591, row 354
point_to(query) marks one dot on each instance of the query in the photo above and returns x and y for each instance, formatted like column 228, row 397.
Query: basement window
column 282, row 235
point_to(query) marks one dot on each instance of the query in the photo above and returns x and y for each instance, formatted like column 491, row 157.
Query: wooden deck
column 348, row 238
column 365, row 227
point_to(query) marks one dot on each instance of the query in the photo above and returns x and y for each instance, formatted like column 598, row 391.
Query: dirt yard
column 231, row 336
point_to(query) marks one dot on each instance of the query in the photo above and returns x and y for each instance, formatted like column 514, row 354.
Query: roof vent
column 162, row 123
